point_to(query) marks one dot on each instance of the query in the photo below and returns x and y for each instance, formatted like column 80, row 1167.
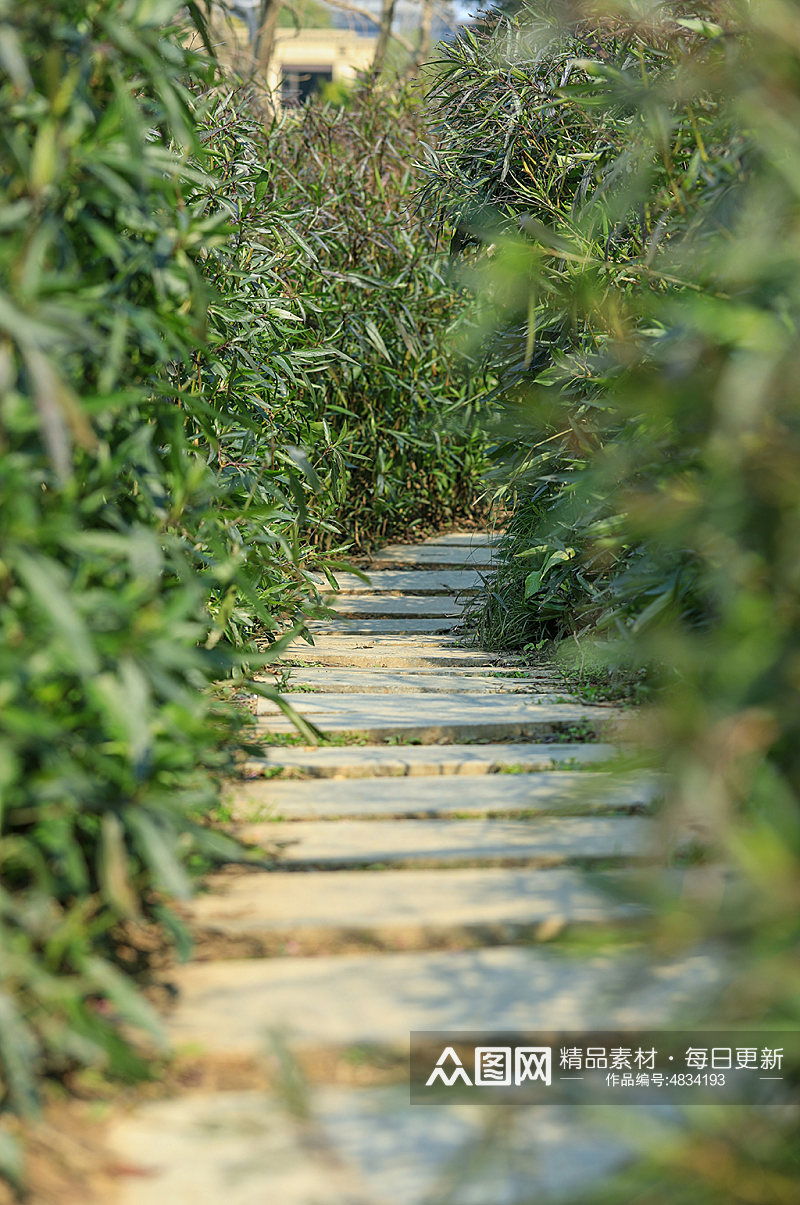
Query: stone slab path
column 384, row 626
column 433, row 717
column 389, row 651
column 419, row 681
column 442, row 556
column 418, row 873
column 367, row 1148
column 552, row 840
column 347, row 1000
column 374, row 761
column 333, row 710
column 564, row 792
column 468, row 539
column 401, row 909
column 422, row 606
column 413, row 581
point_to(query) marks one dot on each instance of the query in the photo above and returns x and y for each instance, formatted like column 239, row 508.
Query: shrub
column 113, row 524
column 410, row 449
column 641, row 275
column 581, row 202
column 198, row 394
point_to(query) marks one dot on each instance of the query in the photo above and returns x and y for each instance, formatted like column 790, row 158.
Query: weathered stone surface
column 419, row 556
column 409, row 581
column 234, row 1005
column 419, row 606
column 240, row 1148
column 398, row 652
column 420, row 1155
column 560, row 792
column 473, row 539
column 398, row 626
column 360, row 1146
column 434, row 717
column 340, row 680
column 328, row 707
column 393, row 652
column 406, row 906
column 544, row 841
column 364, row 762
column 400, row 643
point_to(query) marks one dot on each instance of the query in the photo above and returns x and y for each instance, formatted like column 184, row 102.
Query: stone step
column 360, row 1146
column 420, row 556
column 376, row 761
column 263, row 913
column 240, row 1148
column 426, row 641
column 421, row 652
column 329, row 706
column 430, row 718
column 560, row 792
column 401, row 625
column 473, row 539
column 516, row 668
column 450, row 1155
column 547, row 687
column 408, row 581
column 234, row 1005
column 545, row 841
column 398, row 652
column 419, row 606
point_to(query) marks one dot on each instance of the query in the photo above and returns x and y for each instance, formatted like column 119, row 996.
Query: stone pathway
column 413, row 886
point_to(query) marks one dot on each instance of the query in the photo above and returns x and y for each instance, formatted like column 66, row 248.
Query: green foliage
column 338, row 93
column 112, row 525
column 304, row 14
column 629, row 191
column 362, row 272
column 570, row 159
column 200, row 390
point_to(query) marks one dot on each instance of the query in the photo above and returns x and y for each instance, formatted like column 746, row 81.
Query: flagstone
column 467, row 1155
column 356, row 1146
column 421, row 651
column 371, row 656
column 474, row 539
column 449, row 680
column 396, row 645
column 440, row 554
column 329, row 706
column 418, row 606
column 358, row 761
column 404, row 907
column 430, row 717
column 397, row 626
column 395, row 642
column 235, row 1005
column 243, row 1148
column 560, row 792
column 545, row 841
column 408, row 581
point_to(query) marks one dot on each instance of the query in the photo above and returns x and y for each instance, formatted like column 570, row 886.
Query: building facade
column 304, row 59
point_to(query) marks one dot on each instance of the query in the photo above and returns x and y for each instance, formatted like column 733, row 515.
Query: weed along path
column 448, row 862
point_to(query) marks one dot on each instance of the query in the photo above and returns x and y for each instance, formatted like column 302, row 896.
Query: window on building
column 298, row 83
